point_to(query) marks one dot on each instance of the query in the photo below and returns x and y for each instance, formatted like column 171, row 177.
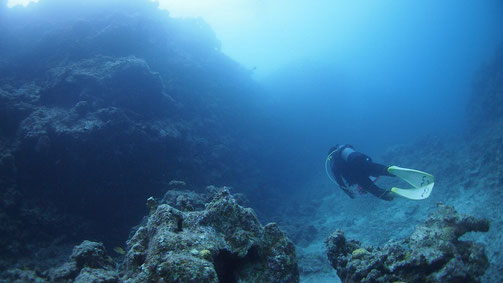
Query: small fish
column 119, row 250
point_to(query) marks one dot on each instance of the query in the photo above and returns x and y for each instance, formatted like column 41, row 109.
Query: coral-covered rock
column 89, row 262
column 280, row 254
column 189, row 200
column 224, row 242
column 90, row 254
column 184, row 200
column 240, row 225
column 433, row 253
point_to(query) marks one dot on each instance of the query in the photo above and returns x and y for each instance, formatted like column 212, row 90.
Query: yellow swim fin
column 422, row 182
column 414, row 193
column 414, row 177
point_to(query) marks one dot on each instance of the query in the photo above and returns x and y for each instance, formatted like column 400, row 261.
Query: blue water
column 104, row 102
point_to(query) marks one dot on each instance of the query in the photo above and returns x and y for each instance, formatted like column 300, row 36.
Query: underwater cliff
column 101, row 105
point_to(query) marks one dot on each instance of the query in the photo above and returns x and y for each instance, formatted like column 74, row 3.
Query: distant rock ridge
column 433, row 253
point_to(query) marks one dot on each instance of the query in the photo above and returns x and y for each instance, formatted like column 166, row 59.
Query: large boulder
column 433, row 253
column 222, row 243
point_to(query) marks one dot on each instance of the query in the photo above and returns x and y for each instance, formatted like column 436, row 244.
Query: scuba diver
column 350, row 167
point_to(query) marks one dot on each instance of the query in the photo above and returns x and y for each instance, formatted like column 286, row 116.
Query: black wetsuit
column 356, row 168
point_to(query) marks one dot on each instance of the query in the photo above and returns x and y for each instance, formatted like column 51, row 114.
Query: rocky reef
column 101, row 105
column 222, row 242
column 433, row 253
column 89, row 262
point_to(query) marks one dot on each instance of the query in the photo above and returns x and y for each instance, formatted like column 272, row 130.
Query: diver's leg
column 376, row 169
column 372, row 188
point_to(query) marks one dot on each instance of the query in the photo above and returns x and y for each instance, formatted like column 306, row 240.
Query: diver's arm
column 343, row 186
column 348, row 192
column 339, row 180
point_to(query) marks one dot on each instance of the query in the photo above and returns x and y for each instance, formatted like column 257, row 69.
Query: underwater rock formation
column 85, row 86
column 89, row 262
column 222, row 243
column 433, row 253
column 101, row 104
column 187, row 200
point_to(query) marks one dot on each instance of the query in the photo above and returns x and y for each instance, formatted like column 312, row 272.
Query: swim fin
column 414, row 177
column 422, row 182
column 414, row 193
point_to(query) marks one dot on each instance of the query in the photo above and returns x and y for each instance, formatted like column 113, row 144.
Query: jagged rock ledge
column 433, row 253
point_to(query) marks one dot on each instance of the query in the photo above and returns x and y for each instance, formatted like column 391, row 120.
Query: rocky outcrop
column 75, row 138
column 101, row 104
column 222, row 243
column 88, row 262
column 433, row 253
